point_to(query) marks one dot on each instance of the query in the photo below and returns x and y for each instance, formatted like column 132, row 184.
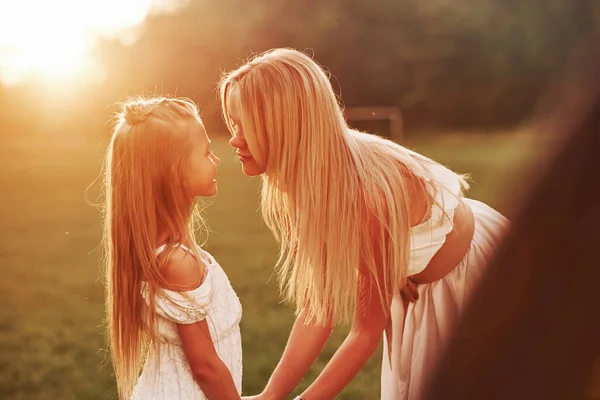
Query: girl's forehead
column 197, row 131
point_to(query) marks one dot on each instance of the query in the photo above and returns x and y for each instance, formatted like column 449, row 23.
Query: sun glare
column 50, row 40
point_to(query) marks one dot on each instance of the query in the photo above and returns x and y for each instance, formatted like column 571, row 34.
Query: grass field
column 51, row 319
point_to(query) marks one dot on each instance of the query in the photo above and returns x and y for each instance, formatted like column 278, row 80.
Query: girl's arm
column 301, row 351
column 209, row 371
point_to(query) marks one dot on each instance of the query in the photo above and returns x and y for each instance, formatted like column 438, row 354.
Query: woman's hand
column 301, row 351
column 261, row 396
column 367, row 330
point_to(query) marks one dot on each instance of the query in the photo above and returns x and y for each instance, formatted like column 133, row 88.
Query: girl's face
column 250, row 166
column 203, row 163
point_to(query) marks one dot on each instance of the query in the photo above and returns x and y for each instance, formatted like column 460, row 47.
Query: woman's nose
column 237, row 142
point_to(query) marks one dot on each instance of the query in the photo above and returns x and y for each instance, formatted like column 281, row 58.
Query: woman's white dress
column 421, row 329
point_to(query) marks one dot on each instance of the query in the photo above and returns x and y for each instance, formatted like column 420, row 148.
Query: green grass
column 51, row 319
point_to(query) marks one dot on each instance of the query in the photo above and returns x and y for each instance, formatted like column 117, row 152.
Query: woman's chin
column 250, row 168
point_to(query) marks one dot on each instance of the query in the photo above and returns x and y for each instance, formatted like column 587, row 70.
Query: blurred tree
column 447, row 63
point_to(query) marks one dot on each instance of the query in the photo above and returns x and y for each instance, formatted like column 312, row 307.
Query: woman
column 371, row 233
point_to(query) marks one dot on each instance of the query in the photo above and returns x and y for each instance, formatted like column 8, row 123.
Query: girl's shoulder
column 189, row 293
column 183, row 271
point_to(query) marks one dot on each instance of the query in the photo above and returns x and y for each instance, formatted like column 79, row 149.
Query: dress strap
column 162, row 248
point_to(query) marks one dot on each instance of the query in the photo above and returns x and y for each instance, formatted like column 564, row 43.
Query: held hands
column 263, row 396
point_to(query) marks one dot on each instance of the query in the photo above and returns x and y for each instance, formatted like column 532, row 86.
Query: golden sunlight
column 50, row 40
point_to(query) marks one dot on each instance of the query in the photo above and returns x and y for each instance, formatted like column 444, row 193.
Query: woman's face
column 238, row 141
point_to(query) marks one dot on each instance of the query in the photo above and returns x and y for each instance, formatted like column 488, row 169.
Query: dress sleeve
column 185, row 307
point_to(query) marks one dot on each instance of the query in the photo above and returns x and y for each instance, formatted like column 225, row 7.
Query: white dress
column 420, row 330
column 166, row 374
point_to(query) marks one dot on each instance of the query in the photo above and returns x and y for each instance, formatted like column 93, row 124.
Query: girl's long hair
column 327, row 190
column 146, row 197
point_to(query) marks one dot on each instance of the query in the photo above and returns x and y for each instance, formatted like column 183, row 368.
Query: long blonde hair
column 327, row 189
column 146, row 197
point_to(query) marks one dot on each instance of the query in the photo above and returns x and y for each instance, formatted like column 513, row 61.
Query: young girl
column 170, row 306
column 371, row 232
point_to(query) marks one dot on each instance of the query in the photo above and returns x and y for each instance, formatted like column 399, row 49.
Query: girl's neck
column 165, row 237
column 162, row 239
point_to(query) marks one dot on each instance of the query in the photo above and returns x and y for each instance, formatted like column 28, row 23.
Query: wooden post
column 392, row 114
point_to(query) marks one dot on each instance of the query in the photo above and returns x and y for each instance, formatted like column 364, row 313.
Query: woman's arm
column 360, row 344
column 301, row 351
column 370, row 319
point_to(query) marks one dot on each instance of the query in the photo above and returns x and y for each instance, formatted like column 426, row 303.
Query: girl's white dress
column 166, row 374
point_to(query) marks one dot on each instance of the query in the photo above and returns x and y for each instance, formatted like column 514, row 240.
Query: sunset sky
column 51, row 40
